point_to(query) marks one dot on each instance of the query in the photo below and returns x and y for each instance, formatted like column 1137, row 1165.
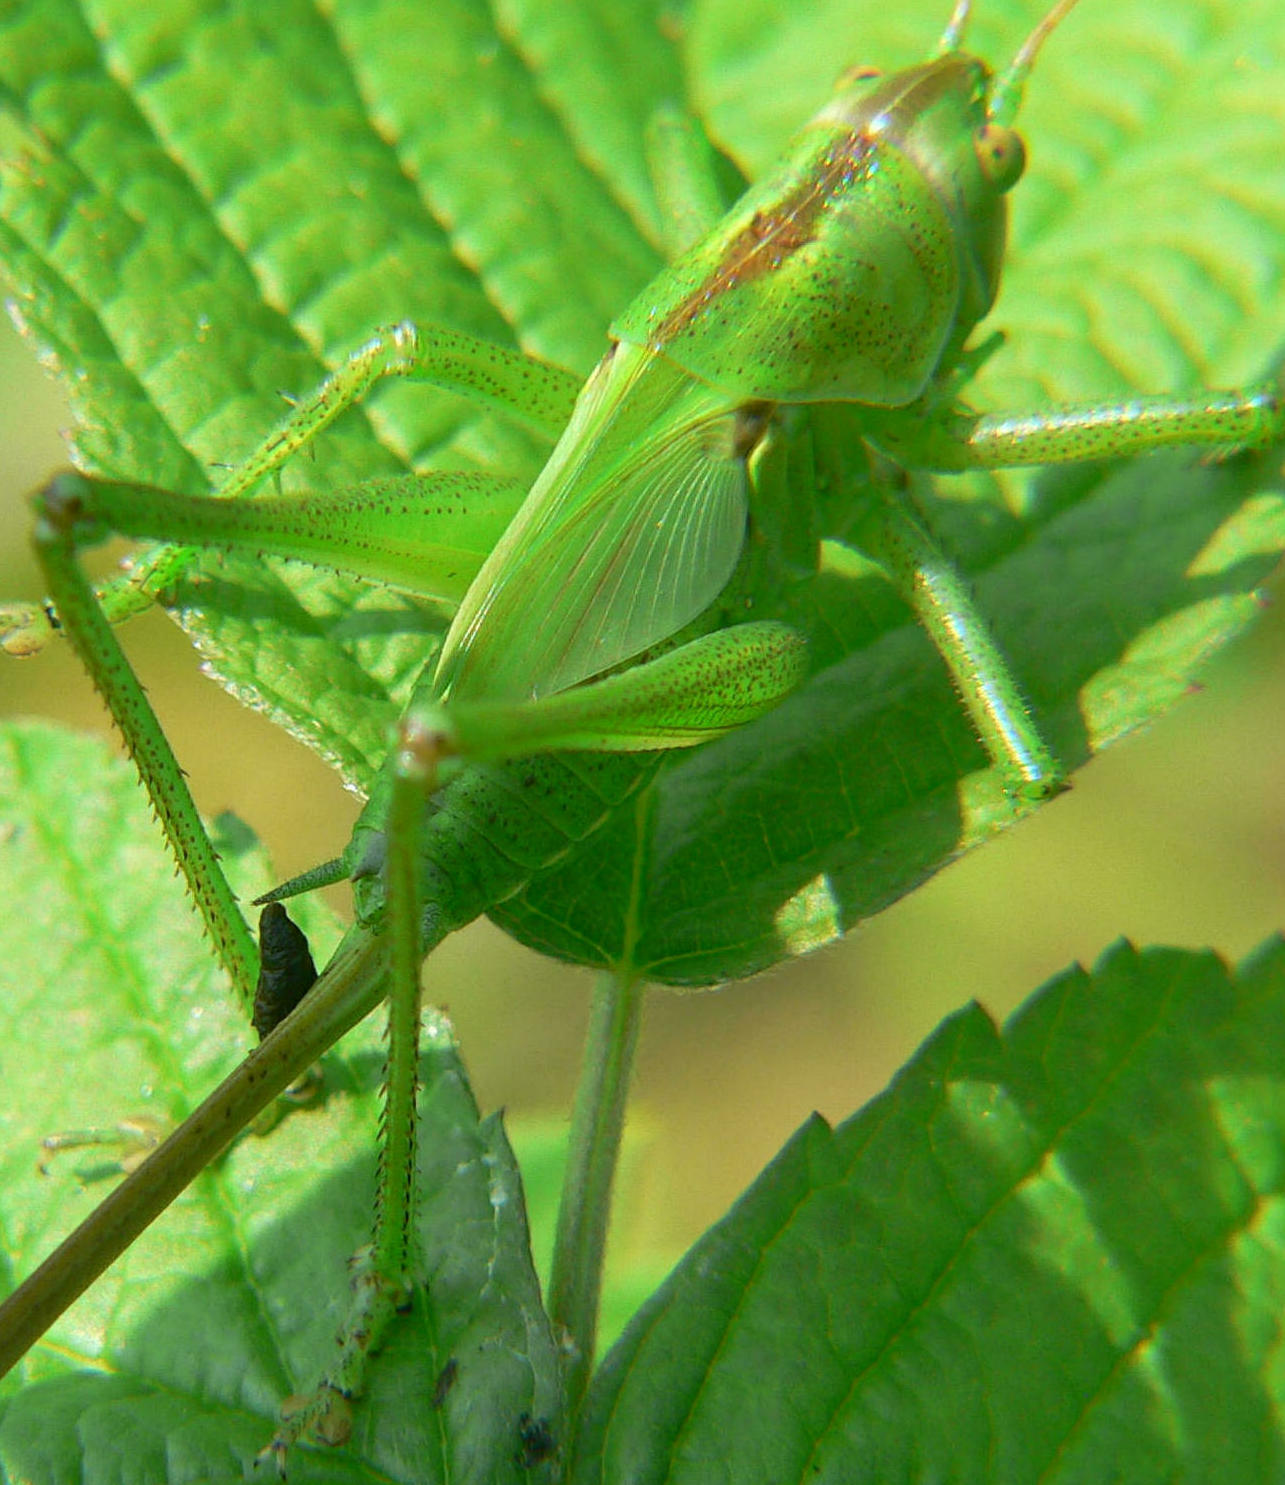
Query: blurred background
column 1177, row 836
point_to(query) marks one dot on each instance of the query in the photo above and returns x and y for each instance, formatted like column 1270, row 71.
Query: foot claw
column 326, row 1416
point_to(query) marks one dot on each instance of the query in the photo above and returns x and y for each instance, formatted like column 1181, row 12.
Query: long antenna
column 1006, row 95
column 954, row 32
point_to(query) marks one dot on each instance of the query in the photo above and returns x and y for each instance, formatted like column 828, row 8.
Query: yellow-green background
column 1176, row 836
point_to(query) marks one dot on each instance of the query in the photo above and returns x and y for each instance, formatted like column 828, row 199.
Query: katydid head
column 857, row 268
column 953, row 117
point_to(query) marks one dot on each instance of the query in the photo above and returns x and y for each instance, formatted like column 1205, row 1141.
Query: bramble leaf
column 1049, row 1253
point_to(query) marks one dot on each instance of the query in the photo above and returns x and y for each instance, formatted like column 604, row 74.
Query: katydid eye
column 1001, row 153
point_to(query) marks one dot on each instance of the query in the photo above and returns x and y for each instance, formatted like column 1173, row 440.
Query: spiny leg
column 57, row 515
column 532, row 392
column 935, row 590
column 1252, row 417
column 929, row 582
column 382, row 1273
column 370, row 521
column 426, row 534
column 269, row 982
column 352, row 985
column 434, row 531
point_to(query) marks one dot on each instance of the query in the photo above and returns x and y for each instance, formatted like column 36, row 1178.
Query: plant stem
column 353, row 984
column 596, row 1126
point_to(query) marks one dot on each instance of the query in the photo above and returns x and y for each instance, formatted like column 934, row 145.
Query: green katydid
column 677, row 399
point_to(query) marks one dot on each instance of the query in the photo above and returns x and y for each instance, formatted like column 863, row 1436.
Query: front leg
column 897, row 538
column 531, row 392
column 922, row 437
column 1249, row 418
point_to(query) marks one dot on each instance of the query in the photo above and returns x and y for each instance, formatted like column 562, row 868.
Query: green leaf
column 204, row 206
column 1041, row 1254
column 175, row 1363
column 181, row 250
column 1051, row 1253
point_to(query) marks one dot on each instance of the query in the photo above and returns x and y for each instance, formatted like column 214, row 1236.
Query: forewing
column 642, row 549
